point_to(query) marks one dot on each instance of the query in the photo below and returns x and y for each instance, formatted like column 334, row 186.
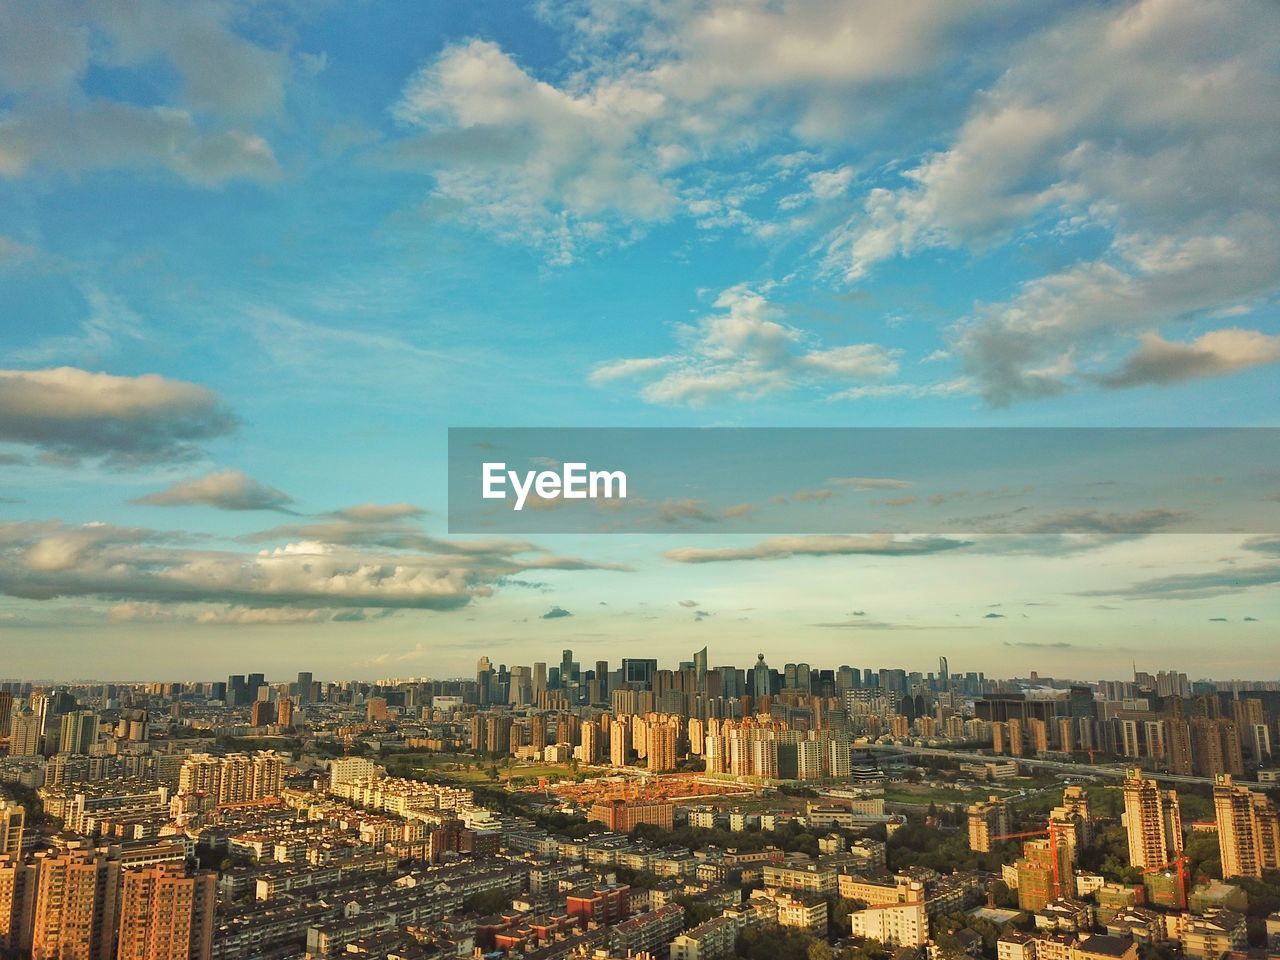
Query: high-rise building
column 1153, row 820
column 591, row 741
column 26, row 738
column 484, row 679
column 761, row 684
column 284, row 713
column 75, row 908
column 304, row 688
column 78, row 732
column 13, row 817
column 165, row 914
column 700, row 670
column 988, row 821
column 263, row 713
column 1216, row 747
column 1248, row 830
column 619, row 740
column 661, row 744
column 18, row 879
column 602, row 675
column 235, row 778
column 497, row 732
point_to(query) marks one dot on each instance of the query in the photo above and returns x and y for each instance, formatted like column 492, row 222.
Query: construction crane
column 1180, row 864
column 1051, row 831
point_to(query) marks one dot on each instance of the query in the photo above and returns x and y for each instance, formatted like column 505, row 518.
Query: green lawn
column 464, row 768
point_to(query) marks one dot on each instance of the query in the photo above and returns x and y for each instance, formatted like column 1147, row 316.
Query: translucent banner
column 864, row 480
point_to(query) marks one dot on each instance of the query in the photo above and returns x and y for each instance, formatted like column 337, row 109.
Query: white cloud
column 1153, row 121
column 527, row 160
column 43, row 561
column 745, row 350
column 780, row 548
column 200, row 130
column 1220, row 351
column 662, row 93
column 74, row 413
column 222, row 489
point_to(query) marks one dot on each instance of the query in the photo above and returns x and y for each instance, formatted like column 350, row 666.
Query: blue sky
column 262, row 256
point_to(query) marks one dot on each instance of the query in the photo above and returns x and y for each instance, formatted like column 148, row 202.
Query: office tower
column 262, row 713
column 75, row 911
column 539, row 681
column 304, row 688
column 25, row 740
column 6, row 712
column 602, row 675
column 700, row 670
column 568, row 669
column 521, row 686
column 639, row 672
column 760, row 679
column 13, row 817
column 987, row 822
column 1153, row 820
column 166, row 914
column 237, row 690
column 253, row 683
column 1248, row 830
column 944, row 674
column 484, row 678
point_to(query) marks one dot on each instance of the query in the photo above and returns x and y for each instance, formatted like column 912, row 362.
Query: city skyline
column 255, row 263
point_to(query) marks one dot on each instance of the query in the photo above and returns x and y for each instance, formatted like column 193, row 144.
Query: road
column 1074, row 769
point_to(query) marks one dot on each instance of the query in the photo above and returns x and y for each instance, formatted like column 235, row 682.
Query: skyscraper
column 75, row 911
column 25, row 738
column 1248, row 830
column 79, row 732
column 987, row 822
column 700, row 670
column 304, row 688
column 760, row 685
column 602, row 675
column 484, row 678
column 1153, row 820
column 166, row 914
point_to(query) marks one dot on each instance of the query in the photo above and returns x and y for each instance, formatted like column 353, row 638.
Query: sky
column 257, row 258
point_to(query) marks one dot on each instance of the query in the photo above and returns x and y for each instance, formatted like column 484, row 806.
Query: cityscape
column 563, row 810
column 639, row 480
